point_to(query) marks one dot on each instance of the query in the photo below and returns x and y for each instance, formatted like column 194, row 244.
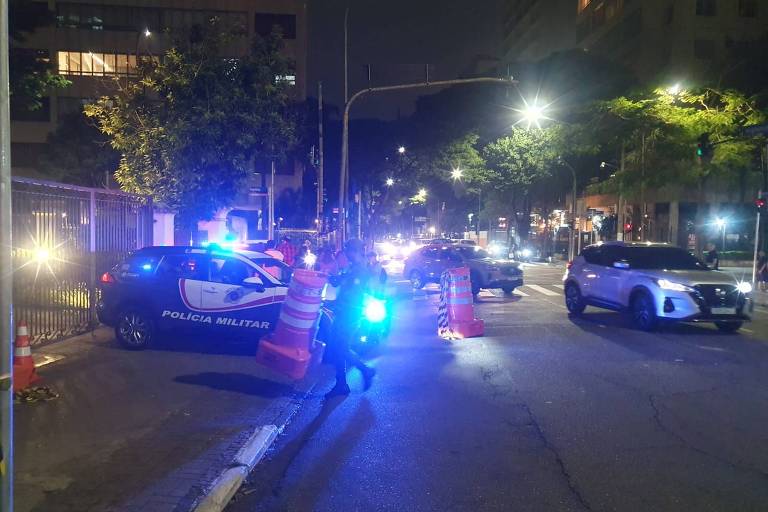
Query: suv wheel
column 644, row 311
column 728, row 326
column 134, row 328
column 574, row 302
column 417, row 280
column 508, row 290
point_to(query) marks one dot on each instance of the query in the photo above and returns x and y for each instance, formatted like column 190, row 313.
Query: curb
column 224, row 487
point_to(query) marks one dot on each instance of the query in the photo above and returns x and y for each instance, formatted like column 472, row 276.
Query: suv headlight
column 672, row 286
column 744, row 287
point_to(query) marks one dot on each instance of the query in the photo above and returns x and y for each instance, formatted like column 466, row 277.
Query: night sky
column 397, row 38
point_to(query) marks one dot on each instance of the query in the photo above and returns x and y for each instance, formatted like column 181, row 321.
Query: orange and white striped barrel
column 299, row 312
column 459, row 295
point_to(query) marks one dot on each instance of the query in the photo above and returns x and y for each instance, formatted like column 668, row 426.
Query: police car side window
column 183, row 266
column 229, row 270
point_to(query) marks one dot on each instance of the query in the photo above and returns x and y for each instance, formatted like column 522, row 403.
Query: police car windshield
column 658, row 258
column 275, row 268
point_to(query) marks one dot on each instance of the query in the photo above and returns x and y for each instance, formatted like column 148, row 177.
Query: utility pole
column 6, row 276
column 271, row 199
column 344, row 176
column 320, row 185
column 344, row 168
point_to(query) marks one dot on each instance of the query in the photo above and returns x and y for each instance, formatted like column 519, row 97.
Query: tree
column 31, row 74
column 193, row 125
column 79, row 153
column 515, row 165
column 659, row 130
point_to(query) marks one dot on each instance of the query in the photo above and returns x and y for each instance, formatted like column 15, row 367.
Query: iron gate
column 64, row 238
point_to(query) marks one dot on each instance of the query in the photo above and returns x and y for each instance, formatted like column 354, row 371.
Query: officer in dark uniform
column 353, row 285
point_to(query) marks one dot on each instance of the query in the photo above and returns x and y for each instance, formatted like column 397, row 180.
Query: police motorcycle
column 374, row 325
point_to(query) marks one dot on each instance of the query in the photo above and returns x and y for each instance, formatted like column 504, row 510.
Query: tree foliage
column 79, row 153
column 194, row 124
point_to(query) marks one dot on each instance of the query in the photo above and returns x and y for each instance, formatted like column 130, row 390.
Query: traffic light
column 704, row 149
column 760, row 203
column 627, row 227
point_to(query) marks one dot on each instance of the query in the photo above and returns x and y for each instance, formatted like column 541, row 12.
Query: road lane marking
column 521, row 294
column 561, row 286
column 750, row 331
column 542, row 290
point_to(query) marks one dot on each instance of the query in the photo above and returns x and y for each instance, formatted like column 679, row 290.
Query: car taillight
column 106, row 277
column 569, row 265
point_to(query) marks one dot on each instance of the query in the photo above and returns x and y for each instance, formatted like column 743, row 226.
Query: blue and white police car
column 233, row 294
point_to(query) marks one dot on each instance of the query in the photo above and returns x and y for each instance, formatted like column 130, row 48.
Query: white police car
column 234, row 294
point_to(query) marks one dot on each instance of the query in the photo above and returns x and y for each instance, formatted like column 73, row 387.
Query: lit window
column 96, row 64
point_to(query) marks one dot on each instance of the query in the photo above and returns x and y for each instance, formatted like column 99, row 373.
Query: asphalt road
column 543, row 413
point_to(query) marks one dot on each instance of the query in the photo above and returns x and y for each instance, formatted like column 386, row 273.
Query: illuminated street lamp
column 532, row 113
column 422, row 192
column 457, row 173
column 147, row 33
column 432, row 230
column 721, row 224
column 674, row 90
column 401, row 150
column 390, row 182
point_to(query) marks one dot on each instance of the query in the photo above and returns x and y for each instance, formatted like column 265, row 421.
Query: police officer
column 353, row 285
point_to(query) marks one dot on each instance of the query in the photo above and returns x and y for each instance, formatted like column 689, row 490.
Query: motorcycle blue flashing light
column 375, row 310
column 146, row 266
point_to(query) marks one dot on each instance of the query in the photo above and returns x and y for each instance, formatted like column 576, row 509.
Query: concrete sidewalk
column 146, row 430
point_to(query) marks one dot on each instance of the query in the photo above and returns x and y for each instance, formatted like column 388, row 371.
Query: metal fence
column 64, row 238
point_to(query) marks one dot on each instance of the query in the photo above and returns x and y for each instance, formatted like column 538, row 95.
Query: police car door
column 237, row 296
column 179, row 278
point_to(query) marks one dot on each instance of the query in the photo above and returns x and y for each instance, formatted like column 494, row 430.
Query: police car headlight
column 744, row 287
column 527, row 253
column 375, row 310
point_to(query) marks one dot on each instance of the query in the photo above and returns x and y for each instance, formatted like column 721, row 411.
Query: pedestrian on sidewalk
column 762, row 271
column 713, row 258
column 288, row 250
column 353, row 285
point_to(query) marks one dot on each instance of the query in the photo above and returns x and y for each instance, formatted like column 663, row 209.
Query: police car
column 229, row 293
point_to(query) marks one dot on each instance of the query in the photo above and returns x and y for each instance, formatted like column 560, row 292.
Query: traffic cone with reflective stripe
column 24, row 373
column 460, row 311
column 290, row 349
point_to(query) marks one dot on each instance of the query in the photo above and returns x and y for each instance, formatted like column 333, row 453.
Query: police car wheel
column 134, row 329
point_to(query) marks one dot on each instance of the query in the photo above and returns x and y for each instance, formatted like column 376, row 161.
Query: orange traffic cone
column 24, row 373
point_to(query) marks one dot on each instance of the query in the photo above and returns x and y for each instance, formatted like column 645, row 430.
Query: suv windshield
column 473, row 252
column 667, row 258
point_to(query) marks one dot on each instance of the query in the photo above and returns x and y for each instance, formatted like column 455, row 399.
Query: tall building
column 92, row 42
column 668, row 39
column 534, row 29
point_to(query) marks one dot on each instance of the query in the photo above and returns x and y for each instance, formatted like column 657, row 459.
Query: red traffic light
column 760, row 203
column 627, row 227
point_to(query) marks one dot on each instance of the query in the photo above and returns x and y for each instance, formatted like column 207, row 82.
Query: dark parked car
column 425, row 265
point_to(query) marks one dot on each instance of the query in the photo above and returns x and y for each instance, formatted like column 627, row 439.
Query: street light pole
column 6, row 276
column 344, row 167
column 572, row 238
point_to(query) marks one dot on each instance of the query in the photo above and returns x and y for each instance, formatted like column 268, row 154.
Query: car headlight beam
column 744, row 287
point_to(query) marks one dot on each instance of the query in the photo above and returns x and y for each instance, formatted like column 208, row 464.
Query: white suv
column 654, row 282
